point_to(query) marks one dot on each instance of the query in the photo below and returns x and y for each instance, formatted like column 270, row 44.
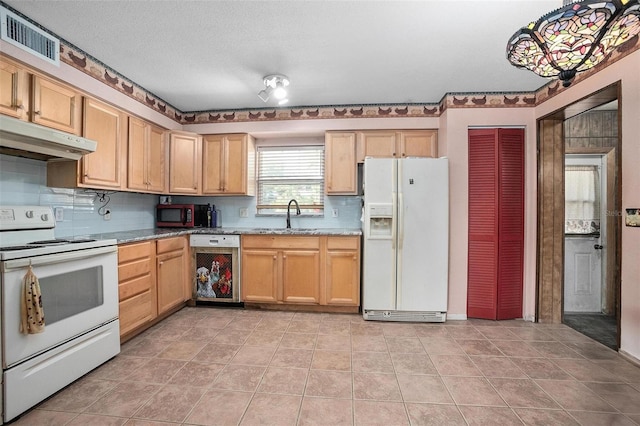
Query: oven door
column 79, row 293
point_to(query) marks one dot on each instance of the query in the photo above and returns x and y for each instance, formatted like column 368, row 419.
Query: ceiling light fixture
column 574, row 38
column 275, row 85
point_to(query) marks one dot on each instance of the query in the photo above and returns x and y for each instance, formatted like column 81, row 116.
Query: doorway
column 579, row 256
column 585, row 296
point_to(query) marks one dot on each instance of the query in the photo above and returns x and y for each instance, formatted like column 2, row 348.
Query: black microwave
column 181, row 215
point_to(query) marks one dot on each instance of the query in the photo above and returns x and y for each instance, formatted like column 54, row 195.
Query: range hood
column 30, row 140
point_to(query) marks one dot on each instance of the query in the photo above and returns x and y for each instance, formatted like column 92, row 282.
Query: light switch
column 244, row 212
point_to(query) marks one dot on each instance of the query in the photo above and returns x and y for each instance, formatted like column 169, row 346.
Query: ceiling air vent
column 19, row 32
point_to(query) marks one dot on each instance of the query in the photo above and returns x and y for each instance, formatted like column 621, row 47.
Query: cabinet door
column 213, row 163
column 377, row 144
column 104, row 124
column 136, row 164
column 343, row 278
column 301, row 276
column 155, row 159
column 14, row 91
column 185, row 164
column 259, row 276
column 171, row 278
column 419, row 143
column 340, row 163
column 56, row 106
column 235, row 165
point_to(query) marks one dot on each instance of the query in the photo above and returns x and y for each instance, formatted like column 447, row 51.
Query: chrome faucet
column 289, row 214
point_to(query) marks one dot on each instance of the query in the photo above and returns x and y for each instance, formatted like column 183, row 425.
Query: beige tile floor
column 215, row 366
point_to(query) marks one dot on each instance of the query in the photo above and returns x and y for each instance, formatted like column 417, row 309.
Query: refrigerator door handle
column 394, row 205
column 400, row 220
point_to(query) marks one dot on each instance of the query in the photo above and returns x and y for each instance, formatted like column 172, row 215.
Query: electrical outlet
column 59, row 212
column 107, row 215
column 244, row 212
column 334, row 212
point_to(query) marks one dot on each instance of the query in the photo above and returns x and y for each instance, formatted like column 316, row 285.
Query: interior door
column 584, row 251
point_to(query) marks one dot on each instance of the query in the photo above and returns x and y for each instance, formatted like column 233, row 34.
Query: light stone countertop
column 124, row 237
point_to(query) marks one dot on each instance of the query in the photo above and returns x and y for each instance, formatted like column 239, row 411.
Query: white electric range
column 79, row 285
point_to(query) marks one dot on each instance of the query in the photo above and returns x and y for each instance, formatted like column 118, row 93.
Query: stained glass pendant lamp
column 574, row 38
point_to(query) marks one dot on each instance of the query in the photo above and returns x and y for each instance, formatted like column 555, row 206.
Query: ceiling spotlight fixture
column 574, row 38
column 275, row 85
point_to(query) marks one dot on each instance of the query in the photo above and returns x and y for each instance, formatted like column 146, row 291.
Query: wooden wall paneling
column 550, row 221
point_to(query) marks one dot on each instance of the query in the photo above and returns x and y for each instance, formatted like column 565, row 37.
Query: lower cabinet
column 136, row 285
column 304, row 270
column 342, row 277
column 172, row 273
column 152, row 280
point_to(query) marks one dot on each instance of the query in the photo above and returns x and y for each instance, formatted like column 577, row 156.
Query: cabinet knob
column 160, row 263
column 355, row 258
column 274, row 258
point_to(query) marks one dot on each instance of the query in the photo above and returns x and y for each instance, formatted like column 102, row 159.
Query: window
column 582, row 199
column 287, row 173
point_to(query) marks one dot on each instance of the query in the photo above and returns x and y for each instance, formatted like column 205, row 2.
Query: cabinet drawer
column 136, row 311
column 170, row 244
column 343, row 243
column 130, row 252
column 281, row 242
column 135, row 286
column 134, row 269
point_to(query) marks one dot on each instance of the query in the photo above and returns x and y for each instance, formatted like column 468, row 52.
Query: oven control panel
column 26, row 217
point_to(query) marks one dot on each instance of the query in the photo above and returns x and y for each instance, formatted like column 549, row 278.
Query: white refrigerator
column 405, row 239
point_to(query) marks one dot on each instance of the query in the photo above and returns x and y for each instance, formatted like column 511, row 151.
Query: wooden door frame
column 550, row 214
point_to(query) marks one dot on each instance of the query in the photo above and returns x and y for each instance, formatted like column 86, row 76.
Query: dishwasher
column 216, row 260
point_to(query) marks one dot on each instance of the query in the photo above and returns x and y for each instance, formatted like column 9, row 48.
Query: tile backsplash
column 23, row 182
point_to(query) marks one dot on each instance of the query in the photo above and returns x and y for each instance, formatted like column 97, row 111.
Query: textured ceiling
column 212, row 55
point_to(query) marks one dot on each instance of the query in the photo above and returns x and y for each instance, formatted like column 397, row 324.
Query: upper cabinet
column 106, row 167
column 56, row 105
column 185, row 163
column 397, row 144
column 146, row 157
column 28, row 96
column 14, row 90
column 228, row 164
column 340, row 163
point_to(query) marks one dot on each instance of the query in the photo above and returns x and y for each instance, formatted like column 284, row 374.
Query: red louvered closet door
column 496, row 223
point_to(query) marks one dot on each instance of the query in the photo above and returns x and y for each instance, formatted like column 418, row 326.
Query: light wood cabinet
column 377, row 144
column 340, row 163
column 228, row 164
column 185, row 163
column 342, row 286
column 171, row 269
column 397, row 144
column 106, row 167
column 301, row 270
column 152, row 282
column 260, row 281
column 146, row 157
column 56, row 105
column 280, row 269
column 14, row 90
column 301, row 276
column 26, row 95
column 136, row 285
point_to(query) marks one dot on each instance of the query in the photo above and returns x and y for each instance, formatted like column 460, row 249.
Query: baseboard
column 457, row 317
column 530, row 318
column 632, row 359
